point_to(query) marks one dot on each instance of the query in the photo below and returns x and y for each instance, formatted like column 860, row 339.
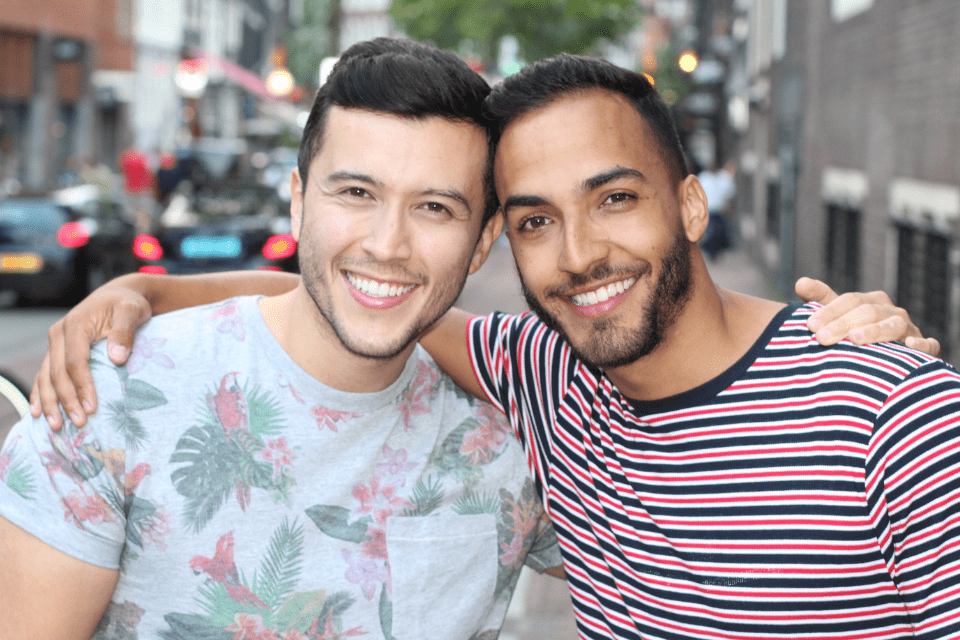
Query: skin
column 409, row 215
column 598, row 206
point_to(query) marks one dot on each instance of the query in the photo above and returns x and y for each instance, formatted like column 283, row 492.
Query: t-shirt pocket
column 443, row 571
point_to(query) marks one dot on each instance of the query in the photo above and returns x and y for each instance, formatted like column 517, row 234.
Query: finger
column 811, row 290
column 832, row 321
column 64, row 390
column 126, row 319
column 885, row 329
column 930, row 346
column 43, row 393
column 36, row 407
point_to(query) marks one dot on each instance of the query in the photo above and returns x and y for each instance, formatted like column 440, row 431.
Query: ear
column 296, row 203
column 491, row 231
column 694, row 213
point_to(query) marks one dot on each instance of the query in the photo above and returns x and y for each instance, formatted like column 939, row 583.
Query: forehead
column 430, row 153
column 574, row 138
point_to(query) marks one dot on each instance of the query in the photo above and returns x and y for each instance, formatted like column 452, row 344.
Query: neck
column 306, row 336
column 713, row 331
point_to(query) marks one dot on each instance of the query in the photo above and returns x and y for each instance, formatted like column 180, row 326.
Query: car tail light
column 279, row 246
column 147, row 248
column 271, row 267
column 73, row 235
column 152, row 268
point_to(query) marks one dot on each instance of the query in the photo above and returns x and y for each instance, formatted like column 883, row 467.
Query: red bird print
column 221, row 568
column 230, row 405
column 135, row 477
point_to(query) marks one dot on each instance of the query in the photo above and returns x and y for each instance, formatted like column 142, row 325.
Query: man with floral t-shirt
column 295, row 466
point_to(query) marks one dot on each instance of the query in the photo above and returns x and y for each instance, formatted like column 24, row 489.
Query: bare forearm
column 168, row 293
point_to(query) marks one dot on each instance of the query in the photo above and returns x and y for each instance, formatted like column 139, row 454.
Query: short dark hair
column 550, row 79
column 403, row 78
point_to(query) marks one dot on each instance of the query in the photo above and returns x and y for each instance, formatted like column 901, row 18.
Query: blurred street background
column 159, row 135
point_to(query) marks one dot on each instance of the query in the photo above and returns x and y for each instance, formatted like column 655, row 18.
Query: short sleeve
column 66, row 487
column 913, row 484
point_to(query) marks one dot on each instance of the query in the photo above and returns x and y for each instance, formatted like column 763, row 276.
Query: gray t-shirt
column 241, row 498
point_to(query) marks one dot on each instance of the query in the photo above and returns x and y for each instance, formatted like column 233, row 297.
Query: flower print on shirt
column 328, row 418
column 278, row 455
column 487, row 440
column 395, row 464
column 368, row 573
column 229, row 319
column 79, row 507
column 148, row 349
column 415, row 400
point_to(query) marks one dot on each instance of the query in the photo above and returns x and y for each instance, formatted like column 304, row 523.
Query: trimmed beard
column 610, row 346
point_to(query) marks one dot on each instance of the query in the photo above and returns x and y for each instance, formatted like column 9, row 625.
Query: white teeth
column 602, row 294
column 377, row 289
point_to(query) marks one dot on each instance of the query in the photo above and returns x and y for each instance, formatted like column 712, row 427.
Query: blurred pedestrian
column 719, row 186
column 138, row 183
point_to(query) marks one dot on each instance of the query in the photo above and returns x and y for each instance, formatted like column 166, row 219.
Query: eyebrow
column 603, row 178
column 340, row 176
column 591, row 183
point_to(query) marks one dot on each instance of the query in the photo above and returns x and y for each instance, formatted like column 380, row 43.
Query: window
column 843, row 248
column 923, row 278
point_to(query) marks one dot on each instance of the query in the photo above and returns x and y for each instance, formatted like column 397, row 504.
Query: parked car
column 220, row 227
column 52, row 251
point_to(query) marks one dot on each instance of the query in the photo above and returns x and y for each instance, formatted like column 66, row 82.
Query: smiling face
column 388, row 225
column 594, row 221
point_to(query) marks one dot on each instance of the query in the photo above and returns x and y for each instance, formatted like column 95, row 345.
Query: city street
column 541, row 607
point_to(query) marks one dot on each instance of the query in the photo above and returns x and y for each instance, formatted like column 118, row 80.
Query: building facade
column 850, row 162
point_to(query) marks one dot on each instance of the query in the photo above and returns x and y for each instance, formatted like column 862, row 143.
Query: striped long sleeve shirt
column 807, row 492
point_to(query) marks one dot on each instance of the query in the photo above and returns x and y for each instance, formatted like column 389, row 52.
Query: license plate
column 210, row 247
column 20, row 263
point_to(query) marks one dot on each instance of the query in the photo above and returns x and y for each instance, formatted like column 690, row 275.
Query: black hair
column 403, row 78
column 548, row 80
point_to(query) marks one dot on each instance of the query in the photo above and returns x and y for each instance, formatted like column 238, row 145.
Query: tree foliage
column 542, row 29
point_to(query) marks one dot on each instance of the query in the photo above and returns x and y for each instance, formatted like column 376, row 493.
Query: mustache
column 600, row 273
column 382, row 271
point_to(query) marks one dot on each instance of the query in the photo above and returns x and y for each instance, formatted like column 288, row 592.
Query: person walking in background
column 720, row 188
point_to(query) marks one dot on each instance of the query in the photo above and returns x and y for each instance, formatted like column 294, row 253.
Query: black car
column 53, row 252
column 220, row 228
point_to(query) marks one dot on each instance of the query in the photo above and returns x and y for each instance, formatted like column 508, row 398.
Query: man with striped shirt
column 711, row 469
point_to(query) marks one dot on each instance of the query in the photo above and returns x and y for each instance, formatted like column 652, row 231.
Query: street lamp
column 688, row 61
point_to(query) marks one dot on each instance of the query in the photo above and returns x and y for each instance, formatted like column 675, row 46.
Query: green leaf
column 280, row 569
column 141, row 395
column 122, row 418
column 300, row 610
column 334, row 521
column 209, row 474
column 20, row 479
column 427, row 497
column 474, row 503
column 386, row 614
column 193, row 627
column 138, row 510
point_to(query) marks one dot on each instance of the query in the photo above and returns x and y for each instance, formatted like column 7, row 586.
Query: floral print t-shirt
column 242, row 499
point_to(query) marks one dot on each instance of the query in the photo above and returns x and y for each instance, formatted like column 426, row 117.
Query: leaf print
column 474, row 503
column 192, row 627
column 207, row 479
column 15, row 472
column 280, row 569
column 427, row 497
column 120, row 417
column 447, row 459
column 140, row 395
column 335, row 522
column 301, row 610
column 386, row 614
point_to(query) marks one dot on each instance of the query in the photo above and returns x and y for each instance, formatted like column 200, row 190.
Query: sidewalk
column 541, row 608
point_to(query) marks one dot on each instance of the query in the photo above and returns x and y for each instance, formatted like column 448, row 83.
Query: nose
column 388, row 236
column 584, row 245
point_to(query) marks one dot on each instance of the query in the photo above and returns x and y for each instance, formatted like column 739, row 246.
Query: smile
column 602, row 294
column 376, row 289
